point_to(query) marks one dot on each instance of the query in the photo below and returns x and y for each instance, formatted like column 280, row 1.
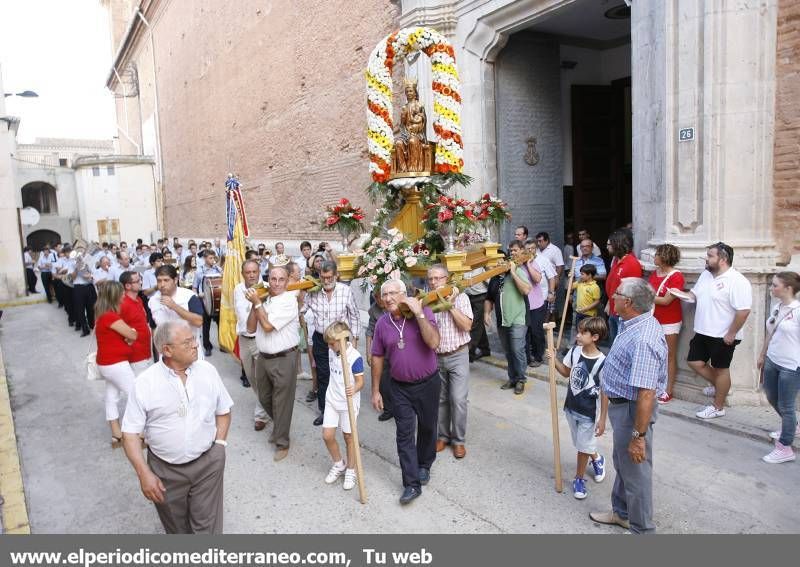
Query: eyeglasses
column 390, row 293
column 774, row 316
column 615, row 294
column 188, row 343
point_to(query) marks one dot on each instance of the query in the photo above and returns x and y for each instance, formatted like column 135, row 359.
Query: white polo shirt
column 282, row 313
column 184, row 298
column 154, row 408
column 553, row 254
column 242, row 307
column 718, row 300
column 784, row 346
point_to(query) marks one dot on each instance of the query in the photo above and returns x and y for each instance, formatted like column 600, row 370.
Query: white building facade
column 660, row 113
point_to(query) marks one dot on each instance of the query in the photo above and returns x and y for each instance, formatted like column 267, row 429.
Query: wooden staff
column 362, row 489
column 566, row 302
column 311, row 366
column 548, row 327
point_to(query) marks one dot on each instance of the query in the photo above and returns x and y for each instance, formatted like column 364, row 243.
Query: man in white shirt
column 45, row 263
column 583, row 234
column 83, row 292
column 103, row 273
column 171, row 302
column 184, row 411
column 208, row 268
column 248, row 349
column 123, row 264
column 302, row 261
column 30, row 275
column 149, row 285
column 277, row 329
column 724, row 298
column 553, row 253
column 334, row 302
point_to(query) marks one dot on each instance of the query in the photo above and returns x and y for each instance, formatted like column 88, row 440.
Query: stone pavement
column 707, row 480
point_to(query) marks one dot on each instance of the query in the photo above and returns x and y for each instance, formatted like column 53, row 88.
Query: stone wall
column 280, row 101
column 787, row 130
column 527, row 79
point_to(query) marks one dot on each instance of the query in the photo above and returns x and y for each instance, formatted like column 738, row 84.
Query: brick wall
column 787, row 130
column 274, row 92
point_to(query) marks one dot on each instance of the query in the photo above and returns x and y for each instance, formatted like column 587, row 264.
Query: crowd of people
column 153, row 340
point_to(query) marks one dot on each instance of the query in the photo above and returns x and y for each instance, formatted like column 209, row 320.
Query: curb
column 12, row 494
column 22, row 302
column 673, row 410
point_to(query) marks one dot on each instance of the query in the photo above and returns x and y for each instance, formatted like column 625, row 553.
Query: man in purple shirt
column 410, row 347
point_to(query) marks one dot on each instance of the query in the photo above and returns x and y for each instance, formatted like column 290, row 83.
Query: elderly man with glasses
column 410, row 346
column 635, row 372
column 183, row 411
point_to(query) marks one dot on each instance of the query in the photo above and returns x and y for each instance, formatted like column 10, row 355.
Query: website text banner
column 387, row 550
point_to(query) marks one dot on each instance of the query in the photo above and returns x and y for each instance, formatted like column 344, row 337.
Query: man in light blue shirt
column 635, row 371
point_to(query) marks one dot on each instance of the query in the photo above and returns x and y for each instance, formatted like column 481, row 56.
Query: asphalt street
column 706, row 481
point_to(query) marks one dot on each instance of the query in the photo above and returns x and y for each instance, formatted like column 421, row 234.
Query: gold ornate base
column 346, row 266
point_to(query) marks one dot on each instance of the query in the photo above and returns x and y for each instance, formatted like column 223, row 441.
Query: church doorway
column 564, row 121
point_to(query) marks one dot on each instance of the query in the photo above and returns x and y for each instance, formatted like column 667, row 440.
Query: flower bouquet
column 455, row 216
column 388, row 257
column 345, row 218
column 490, row 211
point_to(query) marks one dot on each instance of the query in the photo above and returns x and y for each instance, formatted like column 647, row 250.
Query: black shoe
column 481, row 354
column 424, row 476
column 535, row 363
column 409, row 493
column 318, row 421
column 85, row 333
column 207, row 350
column 245, row 381
column 507, row 386
column 78, row 329
column 385, row 416
column 519, row 387
column 311, row 396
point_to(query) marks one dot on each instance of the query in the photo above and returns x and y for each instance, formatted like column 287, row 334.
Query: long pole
column 348, row 379
column 566, row 301
column 553, row 407
column 312, row 368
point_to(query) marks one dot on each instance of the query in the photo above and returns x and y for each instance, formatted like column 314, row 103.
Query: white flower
column 393, row 231
column 411, row 261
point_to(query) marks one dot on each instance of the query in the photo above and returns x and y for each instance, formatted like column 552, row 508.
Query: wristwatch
column 221, row 442
column 259, row 306
column 421, row 316
column 638, row 435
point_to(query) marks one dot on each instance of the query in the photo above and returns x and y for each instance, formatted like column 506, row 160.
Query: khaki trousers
column 276, row 382
column 248, row 351
column 193, row 497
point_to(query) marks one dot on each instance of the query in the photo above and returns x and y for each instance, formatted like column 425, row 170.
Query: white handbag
column 92, row 372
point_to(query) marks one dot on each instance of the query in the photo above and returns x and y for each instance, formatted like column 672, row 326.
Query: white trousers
column 119, row 379
column 141, row 366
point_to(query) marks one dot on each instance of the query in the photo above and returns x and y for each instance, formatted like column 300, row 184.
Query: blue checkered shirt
column 637, row 359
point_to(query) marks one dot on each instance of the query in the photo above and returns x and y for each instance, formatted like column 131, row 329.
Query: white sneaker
column 710, row 391
column 336, row 471
column 349, row 479
column 781, row 454
column 710, row 412
column 777, row 434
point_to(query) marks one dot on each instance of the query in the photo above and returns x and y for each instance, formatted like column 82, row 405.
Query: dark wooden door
column 599, row 197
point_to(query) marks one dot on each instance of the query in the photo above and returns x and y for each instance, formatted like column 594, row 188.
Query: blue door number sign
column 685, row 134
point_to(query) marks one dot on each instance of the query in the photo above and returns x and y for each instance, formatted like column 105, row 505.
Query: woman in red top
column 623, row 265
column 133, row 313
column 668, row 308
column 114, row 339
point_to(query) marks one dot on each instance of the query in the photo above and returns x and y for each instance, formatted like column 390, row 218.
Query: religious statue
column 412, row 151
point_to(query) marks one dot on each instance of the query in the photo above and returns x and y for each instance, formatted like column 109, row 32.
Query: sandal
column 116, row 442
column 311, row 396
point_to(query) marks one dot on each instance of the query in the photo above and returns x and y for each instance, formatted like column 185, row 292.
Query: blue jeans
column 781, row 386
column 513, row 341
column 613, row 328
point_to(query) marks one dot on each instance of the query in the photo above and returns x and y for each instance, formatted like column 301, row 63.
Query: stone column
column 12, row 271
column 707, row 65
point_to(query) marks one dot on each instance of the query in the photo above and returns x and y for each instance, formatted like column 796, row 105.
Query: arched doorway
column 38, row 238
column 41, row 196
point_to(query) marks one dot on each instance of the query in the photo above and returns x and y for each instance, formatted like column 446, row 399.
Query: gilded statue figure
column 410, row 140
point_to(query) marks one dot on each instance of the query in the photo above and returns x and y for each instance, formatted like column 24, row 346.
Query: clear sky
column 60, row 49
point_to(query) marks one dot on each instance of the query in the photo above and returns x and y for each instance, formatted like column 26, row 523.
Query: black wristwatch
column 638, row 435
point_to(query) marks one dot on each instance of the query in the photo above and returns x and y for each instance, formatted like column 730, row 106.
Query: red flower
column 332, row 220
column 344, row 202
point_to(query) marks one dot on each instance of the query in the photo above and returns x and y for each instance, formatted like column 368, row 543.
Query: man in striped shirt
column 334, row 302
column 453, row 357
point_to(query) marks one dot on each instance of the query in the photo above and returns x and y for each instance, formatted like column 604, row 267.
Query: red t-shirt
column 111, row 346
column 132, row 312
column 672, row 313
column 627, row 267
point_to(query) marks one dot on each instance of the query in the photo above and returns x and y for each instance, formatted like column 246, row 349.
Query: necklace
column 401, row 343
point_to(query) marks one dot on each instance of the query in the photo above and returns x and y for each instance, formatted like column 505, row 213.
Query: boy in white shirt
column 582, row 365
column 336, row 414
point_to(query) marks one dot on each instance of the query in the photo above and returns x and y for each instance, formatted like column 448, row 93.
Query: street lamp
column 24, row 94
